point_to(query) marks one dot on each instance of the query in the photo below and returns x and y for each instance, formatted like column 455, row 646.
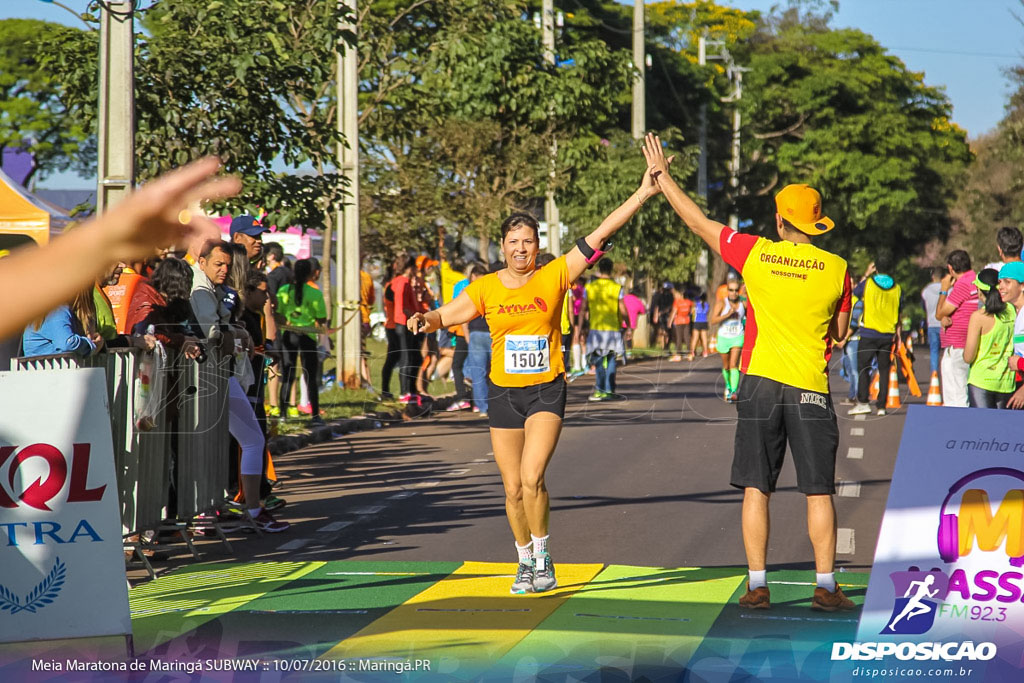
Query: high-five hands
column 657, row 164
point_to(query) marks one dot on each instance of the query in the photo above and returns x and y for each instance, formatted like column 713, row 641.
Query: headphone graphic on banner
column 949, row 524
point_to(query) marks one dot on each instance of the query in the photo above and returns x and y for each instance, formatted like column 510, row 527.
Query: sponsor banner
column 61, row 560
column 947, row 574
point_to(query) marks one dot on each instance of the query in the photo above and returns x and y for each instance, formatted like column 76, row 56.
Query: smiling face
column 520, row 248
column 1010, row 289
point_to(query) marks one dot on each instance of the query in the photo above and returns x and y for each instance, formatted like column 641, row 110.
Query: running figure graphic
column 921, row 590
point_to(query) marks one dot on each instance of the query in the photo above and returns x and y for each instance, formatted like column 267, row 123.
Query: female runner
column 730, row 314
column 526, row 398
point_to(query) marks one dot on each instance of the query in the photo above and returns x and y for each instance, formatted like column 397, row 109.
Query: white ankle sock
column 826, row 581
column 757, row 579
column 540, row 545
column 525, row 553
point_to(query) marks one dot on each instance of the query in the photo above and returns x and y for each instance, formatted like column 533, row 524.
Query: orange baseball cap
column 423, row 262
column 800, row 205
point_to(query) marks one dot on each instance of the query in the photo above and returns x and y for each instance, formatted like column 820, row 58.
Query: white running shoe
column 860, row 409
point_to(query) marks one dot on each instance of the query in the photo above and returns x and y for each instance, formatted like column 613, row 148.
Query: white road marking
column 857, row 431
column 334, row 526
column 844, row 542
column 482, row 460
column 848, row 489
column 428, row 483
column 456, row 473
column 368, row 510
column 401, row 494
column 855, row 452
column 860, row 418
column 296, row 544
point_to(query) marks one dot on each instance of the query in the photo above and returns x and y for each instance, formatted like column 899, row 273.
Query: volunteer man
column 798, row 302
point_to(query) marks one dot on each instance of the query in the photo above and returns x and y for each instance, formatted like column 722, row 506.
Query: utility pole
column 116, row 129
column 640, row 64
column 734, row 72
column 700, row 276
column 736, row 75
column 551, row 215
column 347, row 319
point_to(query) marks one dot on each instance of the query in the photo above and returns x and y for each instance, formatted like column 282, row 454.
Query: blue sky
column 961, row 45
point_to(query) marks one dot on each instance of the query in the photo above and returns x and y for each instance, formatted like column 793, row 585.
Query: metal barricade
column 143, row 459
column 203, row 438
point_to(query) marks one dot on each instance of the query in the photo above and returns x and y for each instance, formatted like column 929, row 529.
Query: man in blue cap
column 247, row 231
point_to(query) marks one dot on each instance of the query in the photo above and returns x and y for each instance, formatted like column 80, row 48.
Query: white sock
column 757, row 579
column 826, row 581
column 525, row 553
column 540, row 545
column 577, row 357
column 255, row 512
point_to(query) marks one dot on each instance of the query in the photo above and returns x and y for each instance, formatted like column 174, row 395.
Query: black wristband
column 585, row 249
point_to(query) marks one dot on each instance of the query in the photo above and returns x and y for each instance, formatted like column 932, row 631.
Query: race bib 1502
column 527, row 354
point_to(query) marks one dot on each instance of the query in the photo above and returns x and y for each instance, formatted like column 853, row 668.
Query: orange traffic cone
column 713, row 345
column 892, row 401
column 873, row 392
column 934, row 392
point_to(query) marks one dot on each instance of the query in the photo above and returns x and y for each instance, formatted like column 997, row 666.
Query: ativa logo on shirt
column 521, row 309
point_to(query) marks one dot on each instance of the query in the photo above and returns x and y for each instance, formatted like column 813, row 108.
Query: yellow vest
column 603, row 304
column 881, row 307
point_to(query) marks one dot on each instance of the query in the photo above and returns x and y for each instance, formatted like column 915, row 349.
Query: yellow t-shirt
column 526, row 346
column 449, row 278
column 793, row 292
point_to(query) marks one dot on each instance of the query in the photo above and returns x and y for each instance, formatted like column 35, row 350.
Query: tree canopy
column 462, row 120
column 33, row 118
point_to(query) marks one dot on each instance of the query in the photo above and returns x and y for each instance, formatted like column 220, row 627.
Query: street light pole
column 116, row 126
column 639, row 79
column 551, row 214
column 347, row 338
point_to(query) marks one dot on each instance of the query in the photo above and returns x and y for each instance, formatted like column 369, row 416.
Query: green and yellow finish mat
column 452, row 621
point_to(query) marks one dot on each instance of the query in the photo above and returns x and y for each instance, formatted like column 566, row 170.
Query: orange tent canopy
column 23, row 214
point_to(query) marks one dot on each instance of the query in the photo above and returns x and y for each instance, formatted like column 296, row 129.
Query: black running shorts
column 772, row 414
column 508, row 407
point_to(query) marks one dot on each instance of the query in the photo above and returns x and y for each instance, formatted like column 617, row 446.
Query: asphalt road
column 640, row 482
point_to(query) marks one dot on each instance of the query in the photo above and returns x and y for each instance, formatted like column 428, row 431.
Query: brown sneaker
column 759, row 598
column 830, row 602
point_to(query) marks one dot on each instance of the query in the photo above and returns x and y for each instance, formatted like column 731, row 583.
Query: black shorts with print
column 772, row 414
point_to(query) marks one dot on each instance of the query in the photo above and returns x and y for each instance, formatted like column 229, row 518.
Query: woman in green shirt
column 989, row 346
column 301, row 305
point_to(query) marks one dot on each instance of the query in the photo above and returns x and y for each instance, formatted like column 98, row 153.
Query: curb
column 279, row 445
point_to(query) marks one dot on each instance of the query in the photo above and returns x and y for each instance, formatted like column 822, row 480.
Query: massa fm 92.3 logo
column 523, row 309
column 975, row 527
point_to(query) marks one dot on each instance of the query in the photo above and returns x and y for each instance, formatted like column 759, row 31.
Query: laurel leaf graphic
column 40, row 596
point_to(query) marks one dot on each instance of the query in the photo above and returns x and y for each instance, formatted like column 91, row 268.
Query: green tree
column 831, row 108
column 32, row 116
column 251, row 82
column 655, row 243
column 478, row 113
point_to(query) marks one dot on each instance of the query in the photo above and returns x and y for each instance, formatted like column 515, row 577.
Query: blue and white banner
column 61, row 557
column 948, row 566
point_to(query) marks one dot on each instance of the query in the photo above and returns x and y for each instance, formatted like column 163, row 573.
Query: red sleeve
column 1020, row 364
column 736, row 247
column 846, row 300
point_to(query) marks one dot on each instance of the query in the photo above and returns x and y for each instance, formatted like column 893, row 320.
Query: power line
column 955, row 52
